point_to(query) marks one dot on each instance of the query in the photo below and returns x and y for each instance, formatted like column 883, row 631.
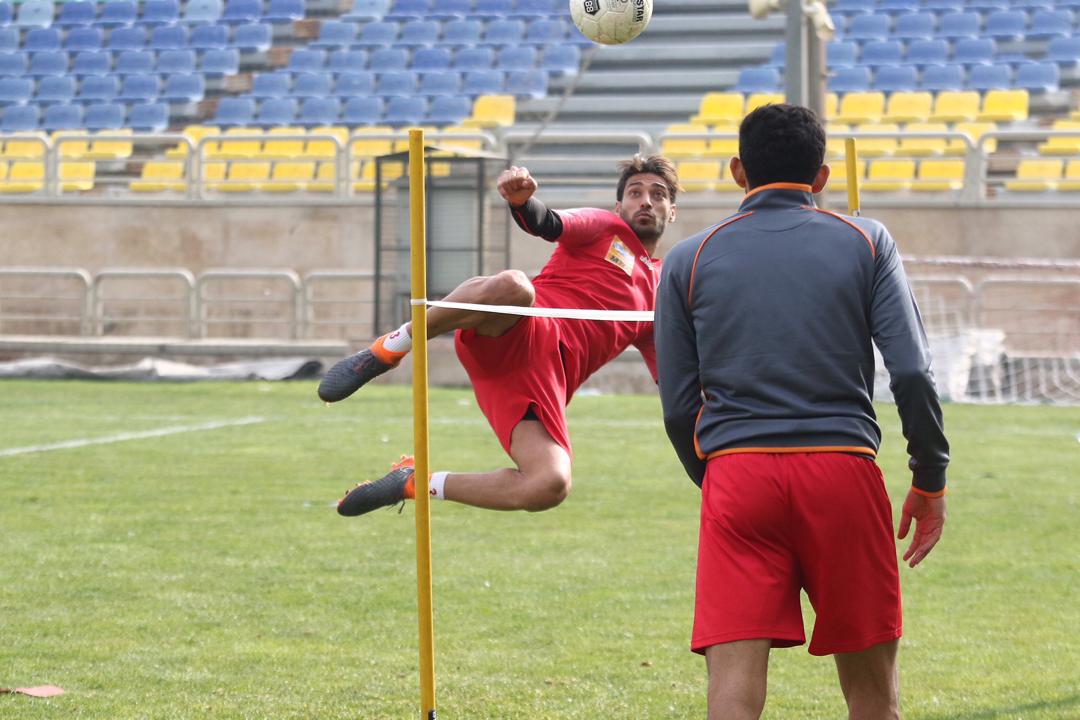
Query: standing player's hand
column 929, row 515
column 516, row 185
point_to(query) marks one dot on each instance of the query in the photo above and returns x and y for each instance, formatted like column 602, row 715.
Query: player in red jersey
column 524, row 370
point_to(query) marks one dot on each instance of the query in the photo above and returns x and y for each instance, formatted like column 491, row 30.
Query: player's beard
column 646, row 232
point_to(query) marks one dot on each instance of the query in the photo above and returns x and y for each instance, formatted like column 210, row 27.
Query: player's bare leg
column 510, row 287
column 870, row 682
column 738, row 678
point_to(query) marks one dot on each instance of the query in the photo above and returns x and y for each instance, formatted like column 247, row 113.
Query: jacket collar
column 777, row 196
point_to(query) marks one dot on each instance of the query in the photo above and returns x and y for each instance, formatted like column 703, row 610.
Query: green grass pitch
column 204, row 574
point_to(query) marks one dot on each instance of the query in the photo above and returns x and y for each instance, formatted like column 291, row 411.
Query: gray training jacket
column 763, row 337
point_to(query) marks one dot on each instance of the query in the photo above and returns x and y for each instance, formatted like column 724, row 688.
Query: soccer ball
column 611, row 22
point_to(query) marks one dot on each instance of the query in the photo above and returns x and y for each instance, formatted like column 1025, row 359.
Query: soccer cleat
column 384, row 492
column 349, row 375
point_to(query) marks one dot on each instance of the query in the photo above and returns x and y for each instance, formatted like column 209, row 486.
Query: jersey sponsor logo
column 621, row 256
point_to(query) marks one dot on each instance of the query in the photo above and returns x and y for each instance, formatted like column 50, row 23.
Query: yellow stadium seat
column 326, row 176
column 719, row 108
column 699, row 175
column 724, row 147
column 111, row 149
column 973, row 130
column 246, row 176
column 727, row 183
column 955, row 106
column 889, row 175
column 25, row 145
column 876, row 147
column 285, row 149
column 838, row 176
column 71, row 144
column 1036, row 175
column 861, row 107
column 3, row 170
column 290, row 176
column 676, row 147
column 77, row 176
column 237, row 149
column 1004, row 106
column 907, row 107
column 756, row 100
column 1071, row 183
column 160, row 176
column 939, row 176
column 835, row 140
column 1062, row 145
column 325, row 148
column 213, row 174
column 450, row 146
column 920, row 146
column 24, row 176
column 195, row 133
column 391, row 170
column 492, row 111
column 832, row 105
column 362, row 147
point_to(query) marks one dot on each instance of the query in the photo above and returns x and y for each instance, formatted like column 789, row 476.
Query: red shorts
column 521, row 368
column 775, row 523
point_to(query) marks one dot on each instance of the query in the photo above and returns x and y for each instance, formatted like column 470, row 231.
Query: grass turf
column 205, row 574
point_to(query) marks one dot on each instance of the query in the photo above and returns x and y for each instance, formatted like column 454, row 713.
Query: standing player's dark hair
column 781, row 143
column 654, row 164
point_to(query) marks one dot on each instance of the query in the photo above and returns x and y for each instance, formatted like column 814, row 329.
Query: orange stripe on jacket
column 693, row 268
column 844, row 220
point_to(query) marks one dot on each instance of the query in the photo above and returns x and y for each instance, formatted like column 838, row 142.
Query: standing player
column 524, row 370
column 764, row 331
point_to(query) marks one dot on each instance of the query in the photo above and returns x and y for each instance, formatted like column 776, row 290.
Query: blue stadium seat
column 941, row 7
column 355, row 84
column 546, row 31
column 242, row 11
column 483, row 82
column 133, row 62
column 48, row 63
column 235, row 112
column 347, row 61
column 84, row 38
column 209, row 37
column 160, row 12
column 303, row 60
column 367, row 10
column 928, row 52
column 104, row 116
column 853, row 7
column 1064, row 51
column 1046, row 24
column 403, row 111
column 203, row 12
column 522, row 57
column 364, row 110
column 253, row 37
column 377, row 34
column 939, row 78
column 148, row 117
column 126, row 38
column 63, row 117
column 841, row 53
column 284, row 11
column 14, row 63
column 55, row 89
column 1031, row 5
column 76, row 13
column 176, row 61
column 387, row 59
column 974, row 51
column 869, row 27
column 271, row 85
column 117, row 13
column 480, row 58
column 91, row 63
column 492, row 9
column 396, row 82
column 561, row 59
column 168, row 37
column 987, row 6
column 139, row 88
column 404, row 10
column 98, row 89
column 9, row 39
column 898, row 7
column 504, row 32
column 16, row 90
column 532, row 9
column 35, row 13
column 7, row 15
column 220, row 62
column 441, row 82
column 959, row 25
column 419, row 33
column 915, row 26
column 42, row 40
column 882, row 52
column 316, row 111
column 990, row 77
column 276, row 112
column 758, row 80
column 335, row 35
column 896, row 78
column 1006, row 25
column 447, row 10
column 312, row 85
column 778, row 56
column 525, row 84
column 844, row 80
column 1038, row 77
column 20, row 118
column 459, row 33
column 448, row 110
column 429, row 59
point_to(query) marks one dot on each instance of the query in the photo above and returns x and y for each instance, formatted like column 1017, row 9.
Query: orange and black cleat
column 390, row 489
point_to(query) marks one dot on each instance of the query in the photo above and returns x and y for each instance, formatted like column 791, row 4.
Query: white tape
column 566, row 313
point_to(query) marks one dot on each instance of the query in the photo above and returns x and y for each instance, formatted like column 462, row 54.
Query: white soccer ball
column 611, row 22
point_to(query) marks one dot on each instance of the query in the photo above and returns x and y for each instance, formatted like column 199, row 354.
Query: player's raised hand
column 516, row 185
column 929, row 516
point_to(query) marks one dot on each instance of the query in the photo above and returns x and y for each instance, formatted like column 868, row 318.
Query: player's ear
column 821, row 179
column 738, row 172
column 618, row 207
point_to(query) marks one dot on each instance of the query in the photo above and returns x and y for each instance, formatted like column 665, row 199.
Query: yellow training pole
column 418, row 244
column 851, row 157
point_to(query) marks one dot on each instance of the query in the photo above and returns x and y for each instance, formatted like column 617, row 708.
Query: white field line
column 124, row 437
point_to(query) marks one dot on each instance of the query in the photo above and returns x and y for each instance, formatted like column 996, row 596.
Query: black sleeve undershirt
column 534, row 218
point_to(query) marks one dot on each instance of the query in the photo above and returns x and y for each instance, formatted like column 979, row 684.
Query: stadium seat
column 724, row 147
column 448, row 110
column 117, row 13
column 58, row 89
column 160, row 176
column 9, row 39
column 483, row 82
column 105, row 116
column 921, row 146
column 276, row 147
column 449, row 10
column 922, row 53
column 898, row 7
column 1036, row 175
column 758, row 79
column 199, row 12
column 1046, row 24
column 126, row 38
column 398, row 83
column 209, row 37
column 882, row 52
column 838, row 180
column 134, row 62
column 1004, row 106
column 405, row 10
column 461, row 33
column 318, row 111
column 48, row 63
column 915, row 26
column 525, row 84
column 317, row 147
column 81, row 39
column 850, row 80
column 975, row 51
column 71, row 144
column 756, row 100
column 429, row 59
column 7, row 15
column 168, row 37
column 234, row 111
column 220, row 62
column 906, row 107
column 312, row 85
column 285, row 11
column 253, row 37
column 878, row 147
column 939, row 176
column 377, row 34
column 245, row 176
column 242, row 11
column 236, row 143
column 290, row 176
column 959, row 25
column 149, row 117
column 439, row 83
column 679, row 147
column 302, row 60
column 367, row 10
column 15, row 90
column 335, row 35
column 1071, row 178
column 65, row 116
column 869, row 27
column 184, row 88
column 896, row 78
column 521, row 57
column 35, row 13
column 42, row 40
column 76, row 13
column 990, row 77
column 275, row 112
column 159, row 12
column 504, row 32
column 975, row 131
column 24, row 177
column 1038, row 77
column 1006, row 25
column 1064, row 51
column 835, row 137
column 987, row 6
column 195, row 133
column 861, row 107
column 469, row 59
column 355, row 84
column 841, row 53
column 176, row 61
column 853, row 7
column 940, row 7
column 562, row 59
column 419, row 33
column 88, row 64
column 388, row 59
column 362, row 144
column 719, row 107
column 105, row 145
column 404, row 111
column 492, row 111
column 363, row 110
column 493, row 9
column 532, row 9
column 955, row 106
column 699, row 175
column 347, row 61
column 14, row 64
column 1062, row 145
column 544, row 31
